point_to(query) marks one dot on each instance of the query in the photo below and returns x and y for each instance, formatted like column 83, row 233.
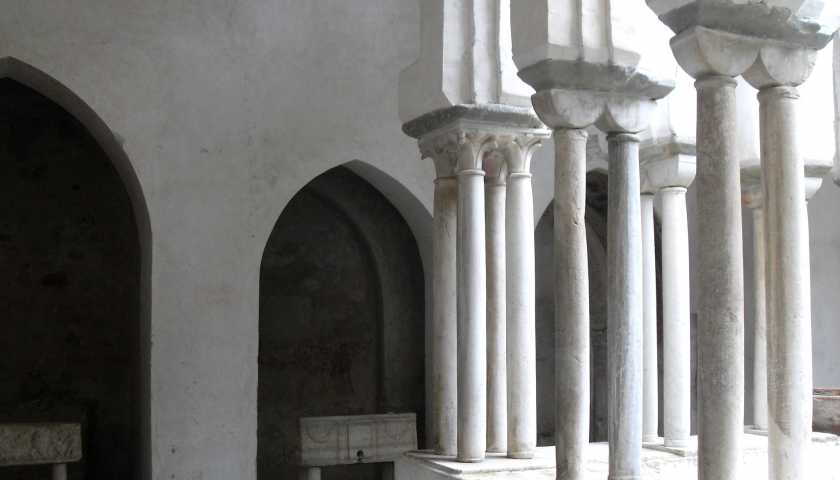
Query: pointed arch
column 112, row 144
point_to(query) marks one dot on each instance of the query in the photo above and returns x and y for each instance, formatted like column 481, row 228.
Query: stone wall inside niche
column 341, row 318
column 69, row 285
column 596, row 230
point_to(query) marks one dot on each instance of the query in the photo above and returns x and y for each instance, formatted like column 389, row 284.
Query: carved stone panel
column 37, row 443
column 326, row 441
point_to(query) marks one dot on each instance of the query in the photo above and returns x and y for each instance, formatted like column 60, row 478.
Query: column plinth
column 571, row 338
column 624, row 308
column 720, row 367
column 789, row 378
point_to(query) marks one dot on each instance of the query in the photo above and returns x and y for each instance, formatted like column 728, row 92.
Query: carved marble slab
column 37, row 443
column 326, row 441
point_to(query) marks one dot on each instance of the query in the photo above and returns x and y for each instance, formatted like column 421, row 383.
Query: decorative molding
column 40, row 443
column 346, row 440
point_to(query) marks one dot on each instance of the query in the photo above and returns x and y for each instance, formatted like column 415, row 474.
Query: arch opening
column 71, row 286
column 342, row 310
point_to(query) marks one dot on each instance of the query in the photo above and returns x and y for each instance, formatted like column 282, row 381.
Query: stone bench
column 41, row 443
column 349, row 440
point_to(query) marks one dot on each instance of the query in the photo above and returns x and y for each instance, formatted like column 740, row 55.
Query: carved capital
column 703, row 52
column 610, row 112
column 667, row 162
column 496, row 149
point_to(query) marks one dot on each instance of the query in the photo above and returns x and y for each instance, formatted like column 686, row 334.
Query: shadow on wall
column 69, row 286
column 341, row 318
column 596, row 231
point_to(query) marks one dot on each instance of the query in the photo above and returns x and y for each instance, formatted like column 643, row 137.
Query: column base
column 520, row 455
column 623, row 478
column 658, row 463
column 470, row 459
column 676, row 443
column 651, row 438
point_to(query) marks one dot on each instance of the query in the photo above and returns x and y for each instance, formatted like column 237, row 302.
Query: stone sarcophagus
column 40, row 443
column 327, row 441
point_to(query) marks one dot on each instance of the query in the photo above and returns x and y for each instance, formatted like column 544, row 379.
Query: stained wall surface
column 69, row 286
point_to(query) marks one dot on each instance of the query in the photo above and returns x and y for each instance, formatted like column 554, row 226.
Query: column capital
column 667, row 162
column 473, row 145
column 610, row 112
column 763, row 62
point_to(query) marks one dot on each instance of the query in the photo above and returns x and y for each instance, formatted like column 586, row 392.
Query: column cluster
column 773, row 53
column 484, row 346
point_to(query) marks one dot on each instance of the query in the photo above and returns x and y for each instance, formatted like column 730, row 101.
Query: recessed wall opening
column 341, row 319
column 69, row 287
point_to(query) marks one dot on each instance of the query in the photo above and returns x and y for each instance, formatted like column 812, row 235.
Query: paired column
column 624, row 308
column 720, row 364
column 472, row 309
column 676, row 298
column 650, row 396
column 571, row 338
column 521, row 299
column 444, row 295
column 494, row 197
column 753, row 197
column 787, row 285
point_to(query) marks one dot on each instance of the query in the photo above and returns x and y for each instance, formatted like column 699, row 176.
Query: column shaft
column 789, row 381
column 650, row 402
column 472, row 318
column 521, row 318
column 624, row 308
column 59, row 471
column 571, row 338
column 720, row 367
column 676, row 298
column 444, row 317
column 494, row 197
column 760, row 325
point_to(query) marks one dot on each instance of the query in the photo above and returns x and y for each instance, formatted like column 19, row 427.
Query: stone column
column 472, row 311
column 650, row 397
column 720, row 366
column 521, row 300
column 676, row 298
column 787, row 285
column 59, row 471
column 760, row 324
column 753, row 197
column 494, row 197
column 624, row 308
column 444, row 151
column 571, row 337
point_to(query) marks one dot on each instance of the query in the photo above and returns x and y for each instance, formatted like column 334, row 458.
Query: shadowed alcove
column 341, row 318
column 70, row 298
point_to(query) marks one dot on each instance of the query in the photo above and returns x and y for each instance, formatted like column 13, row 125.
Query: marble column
column 494, row 198
column 571, row 338
column 650, row 396
column 789, row 375
column 753, row 197
column 444, row 300
column 676, row 298
column 624, row 308
column 720, row 366
column 521, row 300
column 472, row 315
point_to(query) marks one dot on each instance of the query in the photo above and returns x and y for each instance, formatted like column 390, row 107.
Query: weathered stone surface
column 344, row 440
column 39, row 443
column 827, row 410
